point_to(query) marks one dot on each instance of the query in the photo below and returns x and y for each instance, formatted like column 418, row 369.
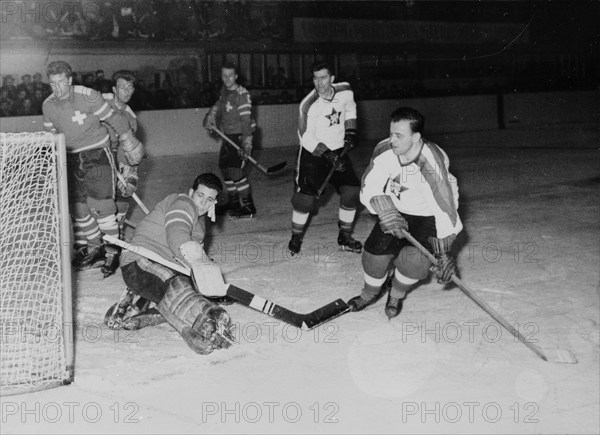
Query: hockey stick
column 331, row 172
column 551, row 355
column 134, row 195
column 304, row 321
column 267, row 171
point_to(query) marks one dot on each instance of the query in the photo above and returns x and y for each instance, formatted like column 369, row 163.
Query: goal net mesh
column 32, row 281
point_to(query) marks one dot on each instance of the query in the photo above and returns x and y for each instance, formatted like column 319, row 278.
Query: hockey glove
column 130, row 176
column 446, row 263
column 246, row 149
column 217, row 327
column 390, row 219
column 330, row 156
column 210, row 120
column 133, row 148
column 206, row 275
column 350, row 141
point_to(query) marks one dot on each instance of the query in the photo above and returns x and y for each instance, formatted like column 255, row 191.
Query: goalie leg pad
column 193, row 316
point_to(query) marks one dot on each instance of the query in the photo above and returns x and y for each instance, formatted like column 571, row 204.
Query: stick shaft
column 233, row 144
column 331, row 172
column 480, row 302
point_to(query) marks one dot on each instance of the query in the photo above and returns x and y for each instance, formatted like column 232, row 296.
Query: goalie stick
column 267, row 171
column 303, row 321
column 550, row 355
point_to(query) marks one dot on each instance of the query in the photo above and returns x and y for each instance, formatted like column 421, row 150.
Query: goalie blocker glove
column 446, row 263
column 391, row 220
column 205, row 274
column 132, row 147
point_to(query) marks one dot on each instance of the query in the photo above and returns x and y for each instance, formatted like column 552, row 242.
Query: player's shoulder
column 433, row 150
column 381, row 148
column 241, row 90
column 309, row 99
column 342, row 86
column 108, row 96
column 50, row 99
column 85, row 91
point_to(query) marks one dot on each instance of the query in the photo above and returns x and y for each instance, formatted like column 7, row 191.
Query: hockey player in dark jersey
column 175, row 229
column 80, row 113
column 327, row 127
column 233, row 114
column 123, row 89
column 409, row 187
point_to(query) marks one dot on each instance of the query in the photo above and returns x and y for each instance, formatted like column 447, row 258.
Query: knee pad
column 349, row 196
column 232, row 173
column 412, row 264
column 182, row 305
column 303, row 203
column 376, row 265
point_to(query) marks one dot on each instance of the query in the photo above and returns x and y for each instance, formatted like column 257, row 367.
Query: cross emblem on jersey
column 79, row 117
column 334, row 118
column 228, row 106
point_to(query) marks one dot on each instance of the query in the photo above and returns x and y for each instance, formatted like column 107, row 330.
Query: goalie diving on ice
column 174, row 230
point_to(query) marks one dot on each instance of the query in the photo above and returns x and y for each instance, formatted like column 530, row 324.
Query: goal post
column 36, row 320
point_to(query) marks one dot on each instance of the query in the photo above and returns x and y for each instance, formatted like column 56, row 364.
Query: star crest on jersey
column 334, row 118
column 228, row 107
column 396, row 188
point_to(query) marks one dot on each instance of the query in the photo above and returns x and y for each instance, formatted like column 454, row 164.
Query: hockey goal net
column 36, row 329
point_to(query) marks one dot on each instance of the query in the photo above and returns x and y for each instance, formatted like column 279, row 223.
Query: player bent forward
column 408, row 186
column 175, row 230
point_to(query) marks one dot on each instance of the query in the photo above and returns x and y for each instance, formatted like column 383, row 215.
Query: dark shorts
column 91, row 174
column 229, row 157
column 420, row 227
column 312, row 172
column 149, row 282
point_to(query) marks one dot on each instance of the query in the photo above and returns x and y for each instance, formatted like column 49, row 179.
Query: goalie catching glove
column 446, row 263
column 133, row 148
column 390, row 219
column 205, row 274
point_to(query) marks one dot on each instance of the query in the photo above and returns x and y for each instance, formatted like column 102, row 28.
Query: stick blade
column 277, row 167
column 562, row 356
column 325, row 314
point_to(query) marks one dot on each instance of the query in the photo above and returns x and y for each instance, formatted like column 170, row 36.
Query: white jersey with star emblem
column 326, row 120
column 424, row 187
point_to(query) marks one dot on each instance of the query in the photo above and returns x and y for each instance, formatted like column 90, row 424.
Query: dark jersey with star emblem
column 424, row 187
column 326, row 120
column 78, row 117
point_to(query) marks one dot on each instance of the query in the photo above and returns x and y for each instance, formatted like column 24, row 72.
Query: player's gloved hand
column 130, row 176
column 334, row 159
column 391, row 220
column 205, row 274
column 246, row 149
column 210, row 121
column 350, row 139
column 133, row 148
column 446, row 263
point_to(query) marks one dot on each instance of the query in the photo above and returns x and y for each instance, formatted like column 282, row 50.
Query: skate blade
column 562, row 356
column 237, row 218
column 348, row 249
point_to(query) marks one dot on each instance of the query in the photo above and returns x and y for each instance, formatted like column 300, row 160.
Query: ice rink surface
column 530, row 249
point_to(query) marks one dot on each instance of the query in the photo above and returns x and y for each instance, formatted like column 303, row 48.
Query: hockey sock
column 232, row 193
column 87, row 228
column 108, row 225
column 243, row 188
column 346, row 218
column 372, row 286
column 299, row 220
column 401, row 285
